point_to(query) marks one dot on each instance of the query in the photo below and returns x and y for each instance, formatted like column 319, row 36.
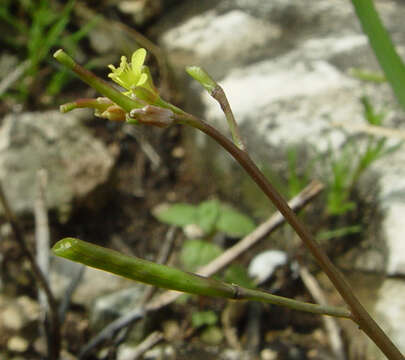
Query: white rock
column 106, row 308
column 76, row 161
column 17, row 344
column 390, row 312
column 264, row 264
column 93, row 284
column 268, row 354
column 18, row 313
column 193, row 231
column 217, row 39
column 12, row 318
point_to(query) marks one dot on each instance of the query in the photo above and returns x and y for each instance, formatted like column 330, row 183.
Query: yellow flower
column 133, row 75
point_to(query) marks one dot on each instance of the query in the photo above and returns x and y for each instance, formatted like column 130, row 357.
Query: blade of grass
column 384, row 49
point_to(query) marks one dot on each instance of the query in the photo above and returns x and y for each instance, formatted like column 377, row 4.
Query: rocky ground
column 285, row 67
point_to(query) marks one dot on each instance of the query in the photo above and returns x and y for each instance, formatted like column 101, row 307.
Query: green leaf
column 237, row 274
column 201, row 318
column 234, row 223
column 384, row 49
column 372, row 117
column 179, row 214
column 337, row 233
column 196, row 253
column 207, row 215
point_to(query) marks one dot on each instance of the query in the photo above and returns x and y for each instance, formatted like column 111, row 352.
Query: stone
column 268, row 354
column 76, row 162
column 17, row 314
column 17, row 344
column 94, row 283
column 141, row 11
column 126, row 352
column 12, row 318
column 389, row 311
column 217, row 39
column 263, row 265
column 160, row 352
column 107, row 308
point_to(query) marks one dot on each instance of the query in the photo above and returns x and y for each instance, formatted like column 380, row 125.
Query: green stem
column 219, row 95
column 384, row 49
column 171, row 278
column 216, row 91
column 84, row 103
column 95, row 82
column 360, row 315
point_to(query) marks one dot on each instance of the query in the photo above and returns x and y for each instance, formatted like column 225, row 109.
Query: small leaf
column 237, row 274
column 207, row 215
column 196, row 253
column 201, row 318
column 234, row 223
column 177, row 214
column 337, row 233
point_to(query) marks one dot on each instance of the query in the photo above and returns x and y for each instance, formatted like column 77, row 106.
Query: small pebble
column 17, row 344
column 268, row 354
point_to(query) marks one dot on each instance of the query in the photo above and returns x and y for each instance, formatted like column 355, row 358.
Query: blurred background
column 308, row 94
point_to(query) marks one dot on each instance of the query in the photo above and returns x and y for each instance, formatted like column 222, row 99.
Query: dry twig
column 42, row 244
column 54, row 349
column 330, row 324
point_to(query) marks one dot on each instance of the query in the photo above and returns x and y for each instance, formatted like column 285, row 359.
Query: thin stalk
column 84, row 103
column 216, row 91
column 360, row 315
column 171, row 278
column 219, row 95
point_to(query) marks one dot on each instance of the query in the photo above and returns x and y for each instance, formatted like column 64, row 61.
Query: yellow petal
column 137, row 60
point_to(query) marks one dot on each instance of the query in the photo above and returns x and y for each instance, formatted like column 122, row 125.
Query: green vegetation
column 34, row 28
column 210, row 218
column 384, row 49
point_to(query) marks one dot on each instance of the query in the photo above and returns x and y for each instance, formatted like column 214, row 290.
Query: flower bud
column 112, row 113
column 152, row 115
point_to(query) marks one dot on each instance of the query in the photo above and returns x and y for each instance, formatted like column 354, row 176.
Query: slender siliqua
column 171, row 278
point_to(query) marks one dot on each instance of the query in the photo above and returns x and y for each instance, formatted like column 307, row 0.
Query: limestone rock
column 17, row 344
column 109, row 307
column 94, row 283
column 76, row 161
